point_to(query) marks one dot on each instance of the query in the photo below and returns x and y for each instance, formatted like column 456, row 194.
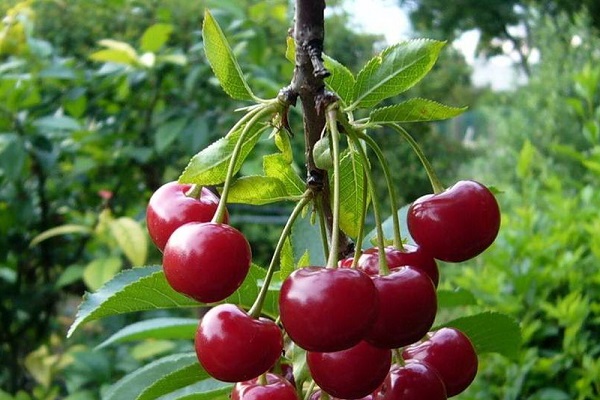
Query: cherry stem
column 398, row 359
column 383, row 266
column 252, row 118
column 391, row 191
column 309, row 391
column 322, row 225
column 195, row 191
column 361, row 226
column 256, row 309
column 331, row 118
column 435, row 182
column 262, row 379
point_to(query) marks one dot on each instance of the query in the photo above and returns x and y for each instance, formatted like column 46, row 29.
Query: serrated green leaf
column 182, row 378
column 59, row 231
column 414, row 110
column 155, row 37
column 209, row 166
column 156, row 328
column 277, row 166
column 352, row 185
column 491, row 332
column 222, row 60
column 131, row 238
column 208, row 389
column 284, row 144
column 341, row 81
column 290, row 49
column 286, row 264
column 304, row 260
column 134, row 384
column 258, row 190
column 455, row 298
column 146, row 288
column 394, row 70
column 100, row 271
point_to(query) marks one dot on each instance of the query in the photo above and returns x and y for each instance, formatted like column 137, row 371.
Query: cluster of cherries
column 366, row 331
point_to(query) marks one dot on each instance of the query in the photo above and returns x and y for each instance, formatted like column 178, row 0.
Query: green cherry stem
column 194, row 191
column 383, row 266
column 331, row 118
column 391, row 190
column 252, row 118
column 322, row 226
column 435, row 182
column 256, row 308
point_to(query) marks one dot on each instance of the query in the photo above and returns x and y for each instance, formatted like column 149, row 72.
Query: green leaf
column 290, row 49
column 155, row 37
column 12, row 156
column 526, row 157
column 131, row 386
column 151, row 349
column 58, row 231
column 156, row 328
column 277, row 166
column 131, row 238
column 182, row 378
column 57, row 123
column 341, row 81
column 491, row 332
column 209, row 166
column 394, row 71
column 258, row 190
column 286, row 259
column 222, row 60
column 414, row 110
column 116, row 52
column 352, row 185
column 167, row 133
column 388, row 229
column 146, row 288
column 455, row 298
column 208, row 389
column 100, row 271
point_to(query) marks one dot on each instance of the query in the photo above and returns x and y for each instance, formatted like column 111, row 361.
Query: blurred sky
column 387, row 18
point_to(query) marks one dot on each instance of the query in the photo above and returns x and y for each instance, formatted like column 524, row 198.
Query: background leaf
column 100, row 271
column 131, row 238
column 258, row 190
column 415, row 110
column 341, row 81
column 155, row 37
column 394, row 70
column 491, row 332
column 223, row 62
column 455, row 298
column 155, row 328
column 58, row 231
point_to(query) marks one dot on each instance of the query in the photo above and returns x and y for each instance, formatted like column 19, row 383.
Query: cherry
column 275, row 388
column 457, row 224
column 326, row 309
column 317, row 396
column 206, row 261
column 352, row 373
column 449, row 352
column 413, row 381
column 407, row 308
column 170, row 207
column 234, row 347
column 411, row 255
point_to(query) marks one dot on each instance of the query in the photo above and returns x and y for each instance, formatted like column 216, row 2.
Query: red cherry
column 407, row 308
column 170, row 207
column 457, row 224
column 206, row 261
column 317, row 396
column 411, row 255
column 451, row 354
column 352, row 373
column 234, row 347
column 413, row 381
column 276, row 388
column 325, row 309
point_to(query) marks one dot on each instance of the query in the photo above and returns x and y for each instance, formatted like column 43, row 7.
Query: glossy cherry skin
column 276, row 388
column 317, row 396
column 457, row 224
column 407, row 308
column 413, row 381
column 451, row 354
column 170, row 207
column 410, row 255
column 326, row 309
column 352, row 373
column 234, row 347
column 206, row 261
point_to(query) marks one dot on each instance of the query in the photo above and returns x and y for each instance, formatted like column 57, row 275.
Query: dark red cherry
column 413, row 381
column 276, row 388
column 234, row 347
column 451, row 354
column 352, row 373
column 457, row 224
column 325, row 309
column 410, row 255
column 206, row 261
column 407, row 308
column 170, row 207
column 317, row 396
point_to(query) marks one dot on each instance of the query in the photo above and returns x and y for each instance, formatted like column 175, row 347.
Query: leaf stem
column 433, row 178
column 331, row 118
column 323, row 226
column 256, row 308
